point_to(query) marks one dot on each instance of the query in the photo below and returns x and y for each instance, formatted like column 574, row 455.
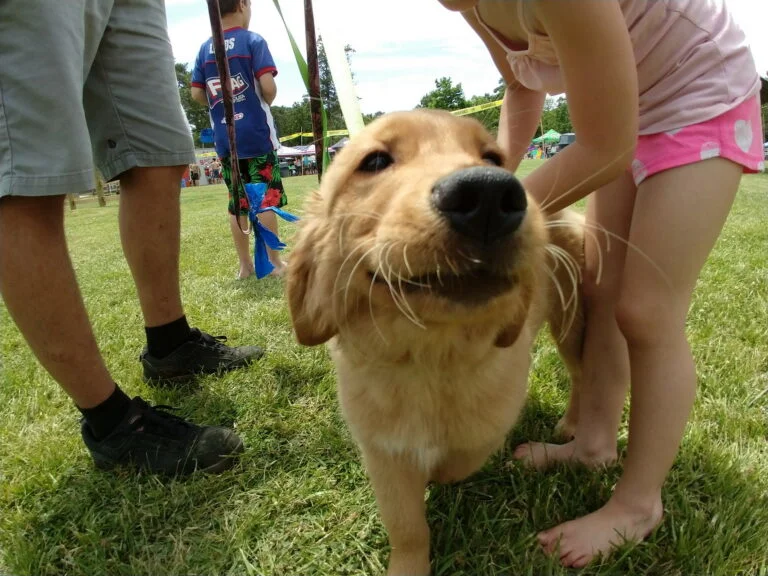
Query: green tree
column 445, row 96
column 489, row 118
column 556, row 116
column 292, row 119
column 368, row 118
column 197, row 114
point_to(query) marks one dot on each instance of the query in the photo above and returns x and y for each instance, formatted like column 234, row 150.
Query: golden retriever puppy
column 430, row 271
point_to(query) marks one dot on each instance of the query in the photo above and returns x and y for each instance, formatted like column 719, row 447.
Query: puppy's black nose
column 483, row 203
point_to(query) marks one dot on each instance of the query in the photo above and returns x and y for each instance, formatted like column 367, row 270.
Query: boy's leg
column 605, row 370
column 266, row 169
column 677, row 218
column 146, row 142
column 269, row 220
column 241, row 240
column 242, row 245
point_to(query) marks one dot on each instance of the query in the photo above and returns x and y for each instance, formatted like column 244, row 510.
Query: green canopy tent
column 549, row 137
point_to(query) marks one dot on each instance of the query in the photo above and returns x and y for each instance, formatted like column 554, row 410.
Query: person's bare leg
column 150, row 225
column 242, row 246
column 39, row 287
column 678, row 216
column 605, row 374
column 269, row 220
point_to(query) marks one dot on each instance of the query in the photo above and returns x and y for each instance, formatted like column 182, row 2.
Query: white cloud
column 401, row 46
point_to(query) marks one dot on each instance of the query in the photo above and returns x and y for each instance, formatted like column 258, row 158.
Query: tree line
column 446, row 96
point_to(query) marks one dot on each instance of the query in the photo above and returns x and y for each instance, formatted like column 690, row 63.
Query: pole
column 315, row 102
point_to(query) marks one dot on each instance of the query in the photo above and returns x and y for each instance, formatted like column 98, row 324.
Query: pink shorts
column 736, row 135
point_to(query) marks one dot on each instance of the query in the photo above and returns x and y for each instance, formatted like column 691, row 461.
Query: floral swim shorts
column 265, row 169
column 736, row 135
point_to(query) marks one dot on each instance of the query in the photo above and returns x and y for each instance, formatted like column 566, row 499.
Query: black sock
column 105, row 417
column 162, row 340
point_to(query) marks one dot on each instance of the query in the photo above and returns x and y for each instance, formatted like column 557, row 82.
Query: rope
column 226, row 85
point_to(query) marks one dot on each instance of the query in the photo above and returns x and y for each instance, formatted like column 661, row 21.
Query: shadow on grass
column 716, row 515
column 93, row 522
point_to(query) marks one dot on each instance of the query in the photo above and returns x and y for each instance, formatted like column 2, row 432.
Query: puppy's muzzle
column 484, row 203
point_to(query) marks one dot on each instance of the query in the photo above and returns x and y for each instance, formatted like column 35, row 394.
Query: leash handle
column 222, row 64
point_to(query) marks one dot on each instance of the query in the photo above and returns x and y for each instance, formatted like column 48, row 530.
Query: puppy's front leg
column 399, row 486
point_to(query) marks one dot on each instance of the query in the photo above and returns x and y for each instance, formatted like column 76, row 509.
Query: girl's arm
column 598, row 66
column 521, row 108
column 520, row 115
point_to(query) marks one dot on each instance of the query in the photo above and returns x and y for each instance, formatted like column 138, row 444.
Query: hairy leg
column 40, row 290
column 150, row 225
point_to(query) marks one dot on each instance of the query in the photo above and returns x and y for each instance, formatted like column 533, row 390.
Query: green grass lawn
column 299, row 502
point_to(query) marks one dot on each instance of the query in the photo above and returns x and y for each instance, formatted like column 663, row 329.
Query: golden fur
column 432, row 359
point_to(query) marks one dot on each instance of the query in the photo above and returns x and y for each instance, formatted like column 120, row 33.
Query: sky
column 402, row 46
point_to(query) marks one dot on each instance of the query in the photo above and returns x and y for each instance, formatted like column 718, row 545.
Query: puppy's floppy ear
column 311, row 308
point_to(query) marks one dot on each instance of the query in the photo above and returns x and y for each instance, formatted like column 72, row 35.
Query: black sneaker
column 151, row 439
column 203, row 354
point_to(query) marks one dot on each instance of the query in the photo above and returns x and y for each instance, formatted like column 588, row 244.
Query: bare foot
column 245, row 273
column 279, row 270
column 541, row 455
column 577, row 542
column 565, row 429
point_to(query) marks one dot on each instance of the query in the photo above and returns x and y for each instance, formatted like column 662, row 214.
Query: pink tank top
column 693, row 61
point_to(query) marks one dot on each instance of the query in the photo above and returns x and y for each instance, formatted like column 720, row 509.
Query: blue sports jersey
column 249, row 58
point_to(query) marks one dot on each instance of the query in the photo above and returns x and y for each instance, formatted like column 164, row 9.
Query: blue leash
column 262, row 237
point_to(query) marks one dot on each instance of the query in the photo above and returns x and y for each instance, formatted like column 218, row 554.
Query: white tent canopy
column 287, row 151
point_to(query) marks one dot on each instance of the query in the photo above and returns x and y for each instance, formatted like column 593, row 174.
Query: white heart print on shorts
column 742, row 131
column 710, row 150
column 639, row 171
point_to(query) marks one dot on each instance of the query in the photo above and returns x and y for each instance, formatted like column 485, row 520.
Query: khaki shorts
column 84, row 83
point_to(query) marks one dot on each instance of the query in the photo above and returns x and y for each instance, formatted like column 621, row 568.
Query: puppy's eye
column 493, row 158
column 375, row 162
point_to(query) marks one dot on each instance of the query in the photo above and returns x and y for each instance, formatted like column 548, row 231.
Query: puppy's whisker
column 452, row 265
column 571, row 276
column 400, row 297
column 341, row 316
column 573, row 264
column 568, row 267
column 352, row 273
column 556, row 284
column 635, row 248
column 345, row 221
column 574, row 273
column 469, row 258
column 347, row 259
column 405, row 259
column 592, row 236
column 370, row 307
column 336, row 290
column 552, row 188
column 545, row 205
column 437, row 270
column 400, row 278
column 416, row 319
